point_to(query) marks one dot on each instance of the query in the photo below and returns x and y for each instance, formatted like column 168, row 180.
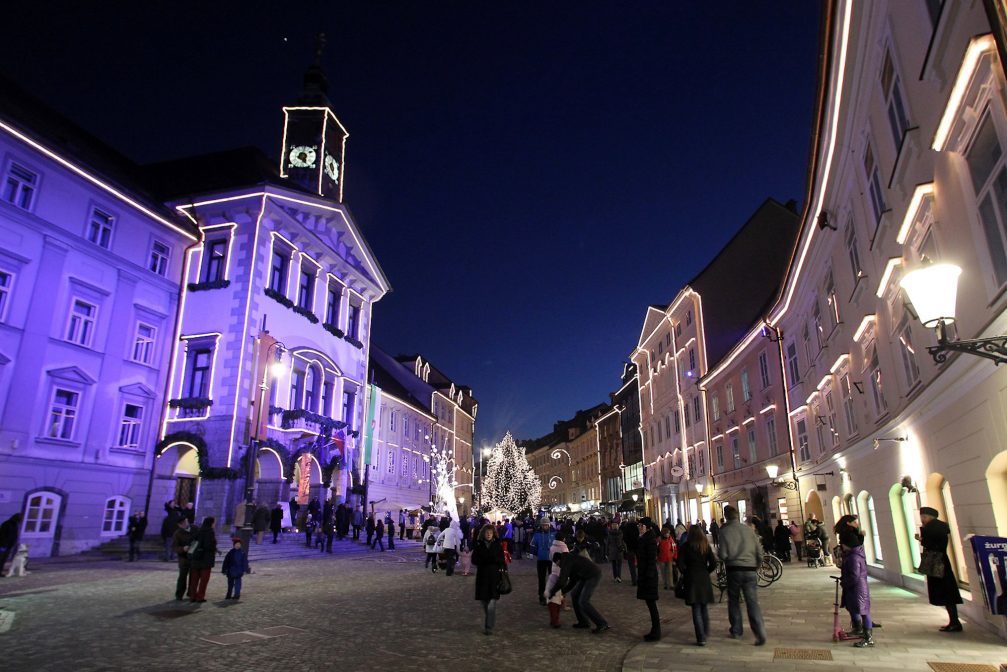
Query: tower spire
column 316, row 86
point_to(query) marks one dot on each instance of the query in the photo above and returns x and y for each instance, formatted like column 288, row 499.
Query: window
column 659, row 439
column 143, row 343
column 391, row 461
column 278, row 271
column 989, row 179
column 678, row 422
column 875, row 532
column 830, row 408
column 159, row 255
column 80, row 330
column 391, row 421
column 678, row 329
column 6, row 286
column 720, row 457
column 816, row 411
column 847, row 391
column 62, row 414
column 874, row 183
column 130, row 426
column 660, row 347
column 715, row 406
column 736, row 450
column 199, row 373
column 685, row 411
column 306, row 290
column 753, row 453
column 99, row 228
column 353, row 320
column 746, row 391
column 326, row 408
column 802, row 440
column 910, row 369
column 216, row 260
column 349, row 397
column 332, row 297
column 771, row 434
column 795, row 374
column 729, row 397
column 909, row 517
column 40, row 518
column 816, row 316
column 404, row 470
column 764, row 369
column 116, row 514
column 20, row 186
column 853, row 253
column 696, row 409
column 692, row 359
column 667, row 426
column 806, row 339
column 832, row 299
column 891, row 87
column 688, row 318
column 310, row 387
column 873, row 372
column 296, row 389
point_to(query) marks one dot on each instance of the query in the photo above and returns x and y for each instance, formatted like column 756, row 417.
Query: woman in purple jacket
column 856, row 593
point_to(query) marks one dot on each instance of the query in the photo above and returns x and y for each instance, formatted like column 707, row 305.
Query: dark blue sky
column 531, row 175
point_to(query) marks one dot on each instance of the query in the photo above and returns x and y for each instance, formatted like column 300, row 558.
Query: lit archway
column 813, row 506
column 939, row 497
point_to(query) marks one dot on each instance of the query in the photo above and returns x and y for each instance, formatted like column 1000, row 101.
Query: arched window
column 114, row 520
column 310, row 397
column 905, row 516
column 939, row 496
column 869, row 524
column 850, row 505
column 41, row 515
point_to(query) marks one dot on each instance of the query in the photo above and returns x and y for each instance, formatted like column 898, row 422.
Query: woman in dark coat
column 696, row 561
column 646, row 576
column 488, row 557
column 781, row 539
column 942, row 590
column 201, row 561
column 853, row 578
column 276, row 521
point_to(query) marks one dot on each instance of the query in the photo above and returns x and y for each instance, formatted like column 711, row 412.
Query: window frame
column 6, row 292
column 89, row 322
column 26, row 184
column 148, row 346
column 157, row 263
column 100, row 227
column 217, row 263
column 116, row 525
column 69, row 414
column 53, row 522
column 130, row 425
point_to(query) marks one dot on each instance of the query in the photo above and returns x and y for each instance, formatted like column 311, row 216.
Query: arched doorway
column 813, row 507
column 176, row 477
column 307, row 482
column 269, row 477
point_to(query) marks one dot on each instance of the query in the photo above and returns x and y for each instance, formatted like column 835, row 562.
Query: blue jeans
column 234, row 587
column 744, row 582
column 490, row 613
column 581, row 598
column 700, row 621
column 617, row 566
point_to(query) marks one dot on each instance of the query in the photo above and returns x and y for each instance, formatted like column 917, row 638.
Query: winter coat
column 168, row 525
column 781, row 539
column 541, row 541
column 235, row 563
column 488, row 557
column 557, row 547
column 137, row 526
column 9, row 532
column 430, row 539
column 739, row 547
column 631, row 536
column 358, row 519
column 614, row 544
column 260, row 519
column 179, row 543
column 647, row 587
column 796, row 532
column 206, row 553
column 449, row 539
column 276, row 519
column 667, row 549
column 856, row 595
column 576, row 568
column 696, row 569
column 943, row 590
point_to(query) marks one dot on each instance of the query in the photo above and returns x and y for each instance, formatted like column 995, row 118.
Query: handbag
column 504, row 586
column 680, row 591
column 932, row 564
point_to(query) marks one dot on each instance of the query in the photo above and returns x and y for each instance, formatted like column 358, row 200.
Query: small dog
column 19, row 562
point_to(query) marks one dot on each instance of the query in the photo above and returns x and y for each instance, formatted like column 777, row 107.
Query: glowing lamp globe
column 276, row 369
column 699, row 487
column 773, row 470
column 932, row 291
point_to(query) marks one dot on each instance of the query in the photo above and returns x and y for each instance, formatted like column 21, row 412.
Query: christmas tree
column 510, row 484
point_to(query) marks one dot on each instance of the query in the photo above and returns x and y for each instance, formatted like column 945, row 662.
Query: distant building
column 608, row 430
column 90, row 265
column 627, row 400
column 567, row 463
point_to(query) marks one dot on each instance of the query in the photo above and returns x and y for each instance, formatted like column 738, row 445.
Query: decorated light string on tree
column 510, row 485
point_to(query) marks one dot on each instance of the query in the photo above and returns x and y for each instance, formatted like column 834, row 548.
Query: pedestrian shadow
column 164, row 611
column 26, row 593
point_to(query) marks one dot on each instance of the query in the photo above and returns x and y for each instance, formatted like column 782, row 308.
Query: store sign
column 991, row 564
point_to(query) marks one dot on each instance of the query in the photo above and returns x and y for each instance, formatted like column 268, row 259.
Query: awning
column 730, row 496
column 630, row 505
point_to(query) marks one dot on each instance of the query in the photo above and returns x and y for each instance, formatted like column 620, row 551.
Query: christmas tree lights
column 510, row 484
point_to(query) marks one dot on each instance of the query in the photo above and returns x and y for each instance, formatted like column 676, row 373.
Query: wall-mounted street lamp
column 932, row 291
column 635, row 498
column 699, row 487
column 877, row 441
column 774, row 471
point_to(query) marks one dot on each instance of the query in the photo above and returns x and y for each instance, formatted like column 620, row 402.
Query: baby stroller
column 813, row 548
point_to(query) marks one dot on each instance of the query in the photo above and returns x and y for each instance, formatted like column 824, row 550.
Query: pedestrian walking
column 449, row 541
column 942, row 587
column 541, row 544
column 310, row 523
column 276, row 521
column 234, row 567
column 260, row 521
column 631, row 537
column 10, row 529
column 797, row 534
column 488, row 557
column 168, row 527
column 646, row 576
column 853, row 578
column 402, row 526
column 342, row 522
column 180, row 542
column 430, row 547
column 379, row 535
column 370, row 527
column 714, row 531
column 741, row 551
column 667, row 552
column 781, row 540
column 390, row 528
column 578, row 578
column 294, row 508
column 615, row 549
column 134, row 533
column 695, row 562
column 358, row 522
column 202, row 556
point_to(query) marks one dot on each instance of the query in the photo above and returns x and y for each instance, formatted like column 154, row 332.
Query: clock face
column 302, row 157
column 332, row 167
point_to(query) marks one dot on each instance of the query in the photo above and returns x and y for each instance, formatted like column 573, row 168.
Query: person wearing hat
column 578, row 577
column 646, row 576
column 943, row 588
column 741, row 552
column 541, row 542
column 235, row 566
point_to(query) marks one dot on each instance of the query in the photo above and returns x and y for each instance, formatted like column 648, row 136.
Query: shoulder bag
column 504, row 586
column 932, row 564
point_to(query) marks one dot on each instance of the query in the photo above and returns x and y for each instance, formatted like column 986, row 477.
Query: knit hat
column 929, row 511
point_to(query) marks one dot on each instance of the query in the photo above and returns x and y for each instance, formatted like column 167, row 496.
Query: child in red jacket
column 667, row 553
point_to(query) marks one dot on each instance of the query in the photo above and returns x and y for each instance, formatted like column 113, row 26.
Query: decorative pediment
column 71, row 374
column 138, row 390
column 654, row 316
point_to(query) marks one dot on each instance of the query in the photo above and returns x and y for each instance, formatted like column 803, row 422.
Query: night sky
column 530, row 175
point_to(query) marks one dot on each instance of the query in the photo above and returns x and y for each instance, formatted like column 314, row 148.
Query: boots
column 868, row 639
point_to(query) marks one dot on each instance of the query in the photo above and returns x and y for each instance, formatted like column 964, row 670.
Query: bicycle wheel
column 764, row 574
column 777, row 568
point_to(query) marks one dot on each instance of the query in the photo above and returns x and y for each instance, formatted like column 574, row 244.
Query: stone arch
column 813, row 506
column 938, row 491
column 268, row 465
column 837, row 510
column 902, row 523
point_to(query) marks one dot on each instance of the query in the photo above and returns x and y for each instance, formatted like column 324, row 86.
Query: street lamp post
column 773, row 470
column 273, row 367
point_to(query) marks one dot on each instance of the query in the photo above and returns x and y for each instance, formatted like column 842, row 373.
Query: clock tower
column 314, row 141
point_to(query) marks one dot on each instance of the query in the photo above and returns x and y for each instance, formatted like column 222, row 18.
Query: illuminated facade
column 89, row 285
column 608, row 430
column 567, row 462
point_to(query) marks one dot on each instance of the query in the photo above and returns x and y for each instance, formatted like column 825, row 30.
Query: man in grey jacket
column 741, row 553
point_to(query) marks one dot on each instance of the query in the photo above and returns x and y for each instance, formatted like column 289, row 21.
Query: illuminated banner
column 991, row 564
column 373, row 419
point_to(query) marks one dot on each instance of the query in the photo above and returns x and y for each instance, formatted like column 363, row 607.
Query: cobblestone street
column 360, row 610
